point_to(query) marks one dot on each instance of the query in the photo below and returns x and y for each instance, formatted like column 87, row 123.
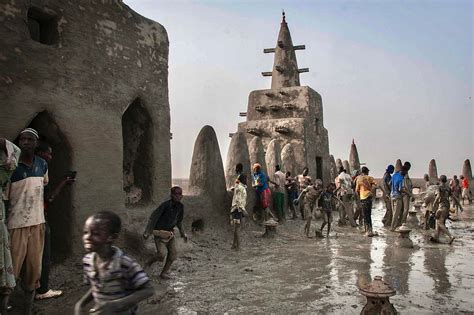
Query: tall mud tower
column 288, row 113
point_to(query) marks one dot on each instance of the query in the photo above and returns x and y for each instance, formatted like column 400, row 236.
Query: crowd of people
column 350, row 196
column 117, row 282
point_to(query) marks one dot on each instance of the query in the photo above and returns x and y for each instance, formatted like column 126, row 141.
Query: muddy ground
column 292, row 274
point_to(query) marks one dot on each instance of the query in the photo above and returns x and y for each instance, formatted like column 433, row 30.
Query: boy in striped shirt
column 117, row 281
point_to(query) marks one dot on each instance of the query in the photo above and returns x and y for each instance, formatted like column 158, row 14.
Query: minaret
column 354, row 157
column 285, row 71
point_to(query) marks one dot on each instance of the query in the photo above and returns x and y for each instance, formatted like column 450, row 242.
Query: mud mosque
column 93, row 80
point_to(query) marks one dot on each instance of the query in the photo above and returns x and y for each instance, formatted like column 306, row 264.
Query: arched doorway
column 59, row 212
column 137, row 155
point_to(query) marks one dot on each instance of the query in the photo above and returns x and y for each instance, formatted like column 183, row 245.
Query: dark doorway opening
column 319, row 167
column 59, row 213
column 137, row 155
column 43, row 26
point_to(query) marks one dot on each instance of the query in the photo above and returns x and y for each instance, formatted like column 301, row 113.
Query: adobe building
column 92, row 78
column 287, row 117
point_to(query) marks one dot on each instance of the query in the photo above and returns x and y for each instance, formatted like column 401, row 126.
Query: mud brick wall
column 92, row 77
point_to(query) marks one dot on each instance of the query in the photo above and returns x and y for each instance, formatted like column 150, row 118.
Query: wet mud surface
column 292, row 274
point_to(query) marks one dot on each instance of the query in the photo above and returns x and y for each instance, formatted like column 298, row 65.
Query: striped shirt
column 121, row 278
column 26, row 194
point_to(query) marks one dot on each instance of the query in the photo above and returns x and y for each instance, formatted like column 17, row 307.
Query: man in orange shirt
column 364, row 188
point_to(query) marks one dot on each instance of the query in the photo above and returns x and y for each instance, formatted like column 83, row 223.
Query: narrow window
column 43, row 26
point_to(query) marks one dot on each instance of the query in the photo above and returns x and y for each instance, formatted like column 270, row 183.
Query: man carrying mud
column 161, row 224
column 441, row 203
column 386, row 189
column 311, row 196
column 346, row 194
column 303, row 181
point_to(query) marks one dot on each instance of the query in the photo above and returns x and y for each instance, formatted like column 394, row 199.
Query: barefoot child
column 117, row 281
column 328, row 205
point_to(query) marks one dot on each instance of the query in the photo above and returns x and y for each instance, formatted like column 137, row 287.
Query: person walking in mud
column 161, row 224
column 364, row 188
column 441, row 203
column 260, row 184
column 237, row 211
column 396, row 197
column 304, row 180
column 310, row 197
column 386, row 189
column 346, row 194
column 466, row 192
column 407, row 192
column 292, row 193
column 328, row 205
column 456, row 189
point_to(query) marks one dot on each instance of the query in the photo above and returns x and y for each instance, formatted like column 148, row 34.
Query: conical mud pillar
column 207, row 171
column 333, row 171
column 288, row 159
column 466, row 170
column 257, row 153
column 354, row 162
column 433, row 171
column 339, row 165
column 398, row 165
column 347, row 167
column 273, row 157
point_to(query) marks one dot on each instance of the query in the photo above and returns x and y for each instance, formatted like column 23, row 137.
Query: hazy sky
column 394, row 75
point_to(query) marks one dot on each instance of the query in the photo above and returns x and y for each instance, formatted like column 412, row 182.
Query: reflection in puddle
column 292, row 274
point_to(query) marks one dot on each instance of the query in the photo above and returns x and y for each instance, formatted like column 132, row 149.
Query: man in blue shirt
column 396, row 196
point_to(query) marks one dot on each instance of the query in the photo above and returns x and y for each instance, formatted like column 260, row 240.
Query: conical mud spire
column 433, row 171
column 466, row 169
column 285, row 71
column 354, row 157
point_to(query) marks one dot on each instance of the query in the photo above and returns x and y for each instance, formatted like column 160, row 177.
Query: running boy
column 117, row 281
